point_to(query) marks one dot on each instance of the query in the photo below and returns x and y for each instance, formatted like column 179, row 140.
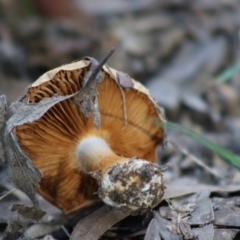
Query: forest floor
column 187, row 54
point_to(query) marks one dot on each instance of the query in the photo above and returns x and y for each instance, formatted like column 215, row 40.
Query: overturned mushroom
column 104, row 142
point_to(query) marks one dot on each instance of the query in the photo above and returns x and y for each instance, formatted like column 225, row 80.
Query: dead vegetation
column 178, row 50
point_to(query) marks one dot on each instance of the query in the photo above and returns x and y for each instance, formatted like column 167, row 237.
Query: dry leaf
column 223, row 234
column 186, row 186
column 40, row 230
column 204, row 233
column 103, row 218
column 158, row 229
column 28, row 212
column 226, row 211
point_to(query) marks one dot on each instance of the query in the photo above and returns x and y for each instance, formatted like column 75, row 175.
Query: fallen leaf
column 40, row 230
column 158, row 229
column 28, row 212
column 223, row 234
column 226, row 212
column 184, row 186
column 204, row 233
column 94, row 225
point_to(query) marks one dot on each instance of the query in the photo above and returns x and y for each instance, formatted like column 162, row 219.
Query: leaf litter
column 203, row 108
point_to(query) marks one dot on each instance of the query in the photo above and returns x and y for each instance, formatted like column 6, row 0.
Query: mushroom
column 79, row 156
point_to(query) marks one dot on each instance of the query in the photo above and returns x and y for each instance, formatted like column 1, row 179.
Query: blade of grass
column 222, row 152
column 228, row 73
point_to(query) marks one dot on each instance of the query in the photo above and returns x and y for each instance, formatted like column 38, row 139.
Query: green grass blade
column 228, row 73
column 222, row 152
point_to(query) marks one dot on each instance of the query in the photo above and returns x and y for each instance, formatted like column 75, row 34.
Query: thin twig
column 7, row 193
column 97, row 69
column 195, row 159
column 66, row 231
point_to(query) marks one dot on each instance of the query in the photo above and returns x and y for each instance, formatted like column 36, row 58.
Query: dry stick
column 65, row 231
column 7, row 193
column 92, row 78
column 196, row 160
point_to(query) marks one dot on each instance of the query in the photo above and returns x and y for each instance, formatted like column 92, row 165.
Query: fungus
column 100, row 142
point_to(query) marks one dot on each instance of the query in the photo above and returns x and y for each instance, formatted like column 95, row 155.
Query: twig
column 7, row 193
column 65, row 231
column 196, row 160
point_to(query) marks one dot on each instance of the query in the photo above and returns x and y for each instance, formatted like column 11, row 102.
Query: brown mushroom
column 76, row 157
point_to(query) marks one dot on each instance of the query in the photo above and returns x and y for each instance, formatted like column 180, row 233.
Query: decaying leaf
column 153, row 231
column 3, row 115
column 226, row 211
column 205, row 233
column 187, row 212
column 3, row 110
column 94, row 225
column 23, row 216
column 158, row 229
column 40, row 229
column 179, row 215
column 11, row 232
column 27, row 212
column 184, row 186
column 223, row 234
column 195, row 216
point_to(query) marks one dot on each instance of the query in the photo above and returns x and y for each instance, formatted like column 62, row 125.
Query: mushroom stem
column 131, row 184
column 94, row 153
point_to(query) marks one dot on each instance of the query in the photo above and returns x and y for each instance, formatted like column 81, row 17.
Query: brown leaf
column 94, row 225
column 28, row 212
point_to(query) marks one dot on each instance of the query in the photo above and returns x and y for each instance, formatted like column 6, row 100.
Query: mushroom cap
column 51, row 141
